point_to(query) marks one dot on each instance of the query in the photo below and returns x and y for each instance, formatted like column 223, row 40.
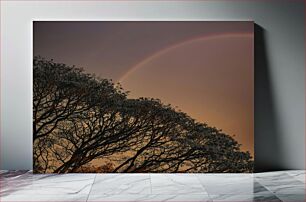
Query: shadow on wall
column 268, row 154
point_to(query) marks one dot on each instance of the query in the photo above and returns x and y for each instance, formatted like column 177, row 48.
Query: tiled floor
column 272, row 186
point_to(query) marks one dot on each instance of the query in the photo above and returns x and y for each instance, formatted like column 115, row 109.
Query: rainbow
column 174, row 46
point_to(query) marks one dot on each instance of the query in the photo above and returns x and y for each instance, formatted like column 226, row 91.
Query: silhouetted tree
column 79, row 118
column 61, row 92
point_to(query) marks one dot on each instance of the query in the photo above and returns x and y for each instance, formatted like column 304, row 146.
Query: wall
column 279, row 67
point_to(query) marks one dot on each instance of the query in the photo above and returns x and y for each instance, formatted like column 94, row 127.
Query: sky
column 203, row 68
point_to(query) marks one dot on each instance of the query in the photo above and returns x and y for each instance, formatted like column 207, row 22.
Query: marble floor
column 270, row 186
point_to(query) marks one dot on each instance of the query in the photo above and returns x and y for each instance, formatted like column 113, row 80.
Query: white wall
column 279, row 73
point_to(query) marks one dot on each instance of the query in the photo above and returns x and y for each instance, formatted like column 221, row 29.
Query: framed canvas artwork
column 143, row 96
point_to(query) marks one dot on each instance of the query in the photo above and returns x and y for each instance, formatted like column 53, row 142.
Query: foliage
column 79, row 119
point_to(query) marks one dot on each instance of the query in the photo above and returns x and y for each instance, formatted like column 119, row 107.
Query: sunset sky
column 203, row 68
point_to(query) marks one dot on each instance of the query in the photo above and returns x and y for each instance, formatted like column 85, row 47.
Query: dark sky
column 203, row 68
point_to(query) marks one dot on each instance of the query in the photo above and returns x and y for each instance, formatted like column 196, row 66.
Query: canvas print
column 143, row 97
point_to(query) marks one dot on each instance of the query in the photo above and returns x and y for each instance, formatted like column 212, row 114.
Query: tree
column 61, row 92
column 79, row 118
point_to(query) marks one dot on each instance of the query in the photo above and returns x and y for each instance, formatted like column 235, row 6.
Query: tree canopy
column 82, row 123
